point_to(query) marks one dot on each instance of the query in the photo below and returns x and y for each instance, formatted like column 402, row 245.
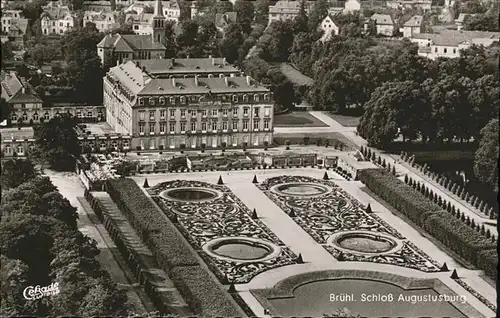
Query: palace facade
column 195, row 112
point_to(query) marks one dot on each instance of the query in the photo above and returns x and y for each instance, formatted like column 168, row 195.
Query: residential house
column 56, row 19
column 449, row 43
column 329, row 28
column 384, row 24
column 169, row 113
column 14, row 28
column 412, row 26
column 103, row 21
column 105, row 5
column 460, row 21
column 223, row 20
column 286, row 10
column 410, row 4
column 171, row 9
column 24, row 104
column 352, row 6
column 118, row 48
column 188, row 67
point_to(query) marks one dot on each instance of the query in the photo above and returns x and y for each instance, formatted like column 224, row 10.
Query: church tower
column 158, row 22
column 194, row 9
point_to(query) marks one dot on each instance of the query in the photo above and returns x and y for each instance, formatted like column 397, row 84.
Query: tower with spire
column 158, row 22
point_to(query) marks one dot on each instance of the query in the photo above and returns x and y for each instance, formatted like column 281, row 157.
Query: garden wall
column 453, row 233
column 171, row 252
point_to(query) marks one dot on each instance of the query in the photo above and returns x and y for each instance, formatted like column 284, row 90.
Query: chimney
column 196, row 80
column 173, row 81
column 249, row 80
column 226, row 82
column 117, row 62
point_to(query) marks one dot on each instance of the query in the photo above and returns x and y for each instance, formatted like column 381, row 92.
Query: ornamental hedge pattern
column 325, row 215
column 429, row 216
column 169, row 249
column 226, row 216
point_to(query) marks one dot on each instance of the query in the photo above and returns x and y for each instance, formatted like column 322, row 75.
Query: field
column 346, row 121
column 298, row 119
column 295, row 76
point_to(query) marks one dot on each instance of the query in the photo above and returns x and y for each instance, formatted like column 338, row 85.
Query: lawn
column 346, row 121
column 23, row 133
column 295, row 76
column 294, row 119
column 298, row 139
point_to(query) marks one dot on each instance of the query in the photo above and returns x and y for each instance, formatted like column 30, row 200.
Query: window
column 172, row 127
column 142, row 115
column 172, row 113
column 256, row 112
column 267, row 112
column 445, row 50
column 141, row 101
column 245, row 97
column 224, row 125
column 245, row 111
column 435, row 50
column 46, row 115
column 183, row 113
column 183, row 100
column 25, row 116
column 151, row 128
column 35, row 116
column 235, row 98
column 141, row 128
column 454, row 51
column 224, row 112
column 193, row 113
column 162, row 128
column 245, row 125
column 172, row 100
column 204, row 113
column 256, row 97
column 267, row 97
column 13, row 117
column 214, row 112
column 20, row 150
column 266, row 124
column 204, row 126
column 255, row 124
column 193, row 126
column 151, row 115
column 183, row 127
column 235, row 111
column 214, row 126
column 163, row 113
column 235, row 125
column 162, row 101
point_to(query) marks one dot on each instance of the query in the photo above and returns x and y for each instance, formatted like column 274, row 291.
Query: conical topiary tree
column 467, row 220
column 379, row 160
column 255, row 179
column 426, row 192
column 299, row 259
column 406, row 178
column 410, row 182
column 482, row 206
column 453, row 212
column 341, row 257
column 454, row 275
column 146, row 184
column 231, row 289
column 374, row 156
column 477, row 203
column 254, row 214
column 473, row 224
column 462, row 218
column 444, row 268
column 369, row 153
column 493, row 238
column 291, row 213
column 220, row 182
column 440, row 201
column 448, row 207
column 325, row 176
column 482, row 229
column 384, row 164
column 368, row 208
column 418, row 186
column 454, row 188
column 488, row 233
column 393, row 171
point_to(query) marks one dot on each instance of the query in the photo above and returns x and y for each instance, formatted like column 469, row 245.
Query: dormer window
column 151, row 101
column 256, row 97
column 245, row 98
column 141, row 101
column 235, row 98
column 266, row 97
column 172, row 100
column 162, row 101
column 183, row 100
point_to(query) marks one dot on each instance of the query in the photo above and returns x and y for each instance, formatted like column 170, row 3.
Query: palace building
column 194, row 112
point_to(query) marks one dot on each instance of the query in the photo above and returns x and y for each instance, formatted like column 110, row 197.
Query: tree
column 232, row 42
column 481, row 22
column 318, row 12
column 245, row 13
column 43, row 53
column 4, row 110
column 486, row 157
column 13, row 274
column 17, row 171
column 7, row 53
column 262, row 12
column 56, row 142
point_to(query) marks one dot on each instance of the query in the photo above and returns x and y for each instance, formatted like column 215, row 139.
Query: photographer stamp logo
column 37, row 292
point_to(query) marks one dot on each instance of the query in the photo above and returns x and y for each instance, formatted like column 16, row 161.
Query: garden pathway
column 70, row 187
column 316, row 258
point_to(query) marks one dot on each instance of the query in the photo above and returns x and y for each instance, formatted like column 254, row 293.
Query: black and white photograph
column 239, row 158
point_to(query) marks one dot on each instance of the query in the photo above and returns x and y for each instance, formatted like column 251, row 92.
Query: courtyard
column 293, row 238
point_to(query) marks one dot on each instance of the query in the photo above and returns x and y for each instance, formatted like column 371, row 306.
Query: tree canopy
column 486, row 158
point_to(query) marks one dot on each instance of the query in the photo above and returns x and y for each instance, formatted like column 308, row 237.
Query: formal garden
column 346, row 229
column 236, row 246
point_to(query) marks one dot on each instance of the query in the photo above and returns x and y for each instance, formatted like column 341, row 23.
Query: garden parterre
column 325, row 215
column 224, row 216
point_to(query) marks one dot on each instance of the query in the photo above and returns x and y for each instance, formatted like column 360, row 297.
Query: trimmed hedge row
column 395, row 192
column 202, row 292
column 489, row 262
column 169, row 248
column 429, row 216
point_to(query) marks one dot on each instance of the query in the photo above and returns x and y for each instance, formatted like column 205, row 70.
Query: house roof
column 12, row 90
column 285, row 6
column 141, row 18
column 186, row 66
column 20, row 25
column 130, row 42
column 56, row 12
column 462, row 16
column 140, row 83
column 454, row 37
column 98, row 15
column 224, row 19
column 382, row 19
column 414, row 21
